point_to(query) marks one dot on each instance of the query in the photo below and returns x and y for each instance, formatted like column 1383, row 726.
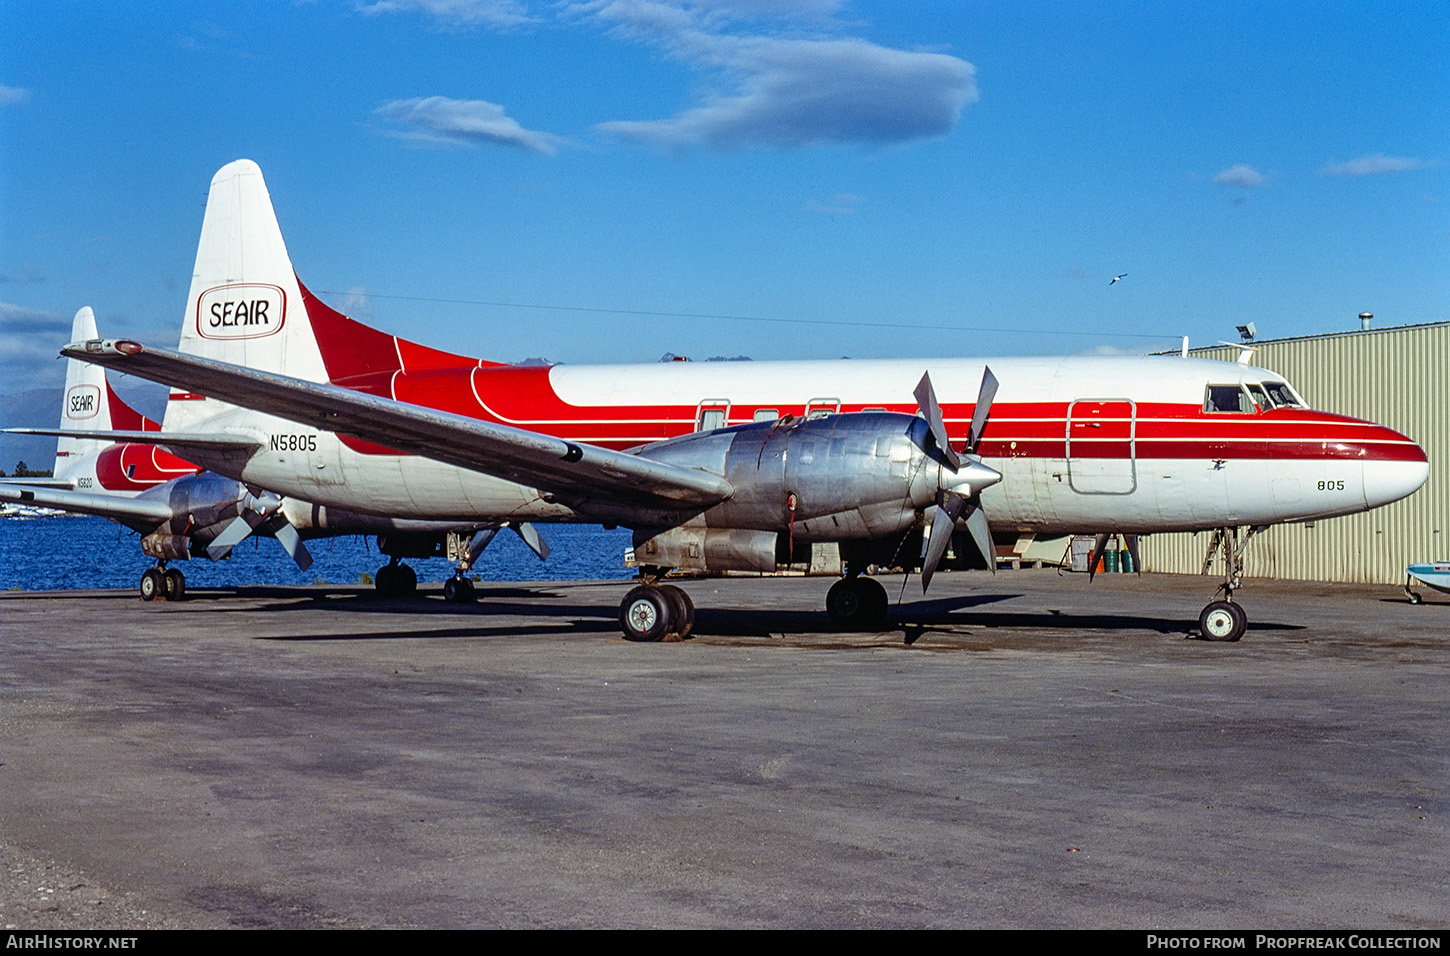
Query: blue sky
column 608, row 181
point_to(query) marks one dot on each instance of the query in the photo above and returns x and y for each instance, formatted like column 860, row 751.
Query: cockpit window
column 1261, row 397
column 1227, row 398
column 1282, row 394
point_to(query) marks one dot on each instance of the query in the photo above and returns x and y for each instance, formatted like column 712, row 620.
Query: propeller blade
column 292, row 542
column 531, row 537
column 231, row 536
column 1130, row 541
column 931, row 411
column 1100, row 545
column 982, row 409
column 982, row 535
column 949, row 508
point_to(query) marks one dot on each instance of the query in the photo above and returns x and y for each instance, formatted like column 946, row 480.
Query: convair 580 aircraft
column 737, row 466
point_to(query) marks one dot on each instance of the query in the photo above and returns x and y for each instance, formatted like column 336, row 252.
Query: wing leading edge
column 572, row 471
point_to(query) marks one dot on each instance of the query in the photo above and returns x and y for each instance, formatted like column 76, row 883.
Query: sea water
column 79, row 552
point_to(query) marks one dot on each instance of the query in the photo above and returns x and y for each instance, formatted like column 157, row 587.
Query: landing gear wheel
column 396, row 580
column 1223, row 621
column 876, row 601
column 174, row 584
column 682, row 611
column 645, row 614
column 153, row 584
column 458, row 590
column 857, row 602
column 1414, row 598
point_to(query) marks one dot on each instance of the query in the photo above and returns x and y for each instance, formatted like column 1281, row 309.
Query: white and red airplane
column 182, row 511
column 730, row 466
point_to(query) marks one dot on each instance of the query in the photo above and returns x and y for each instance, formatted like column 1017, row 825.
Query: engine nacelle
column 202, row 506
column 707, row 549
column 859, row 476
column 167, row 547
column 840, row 477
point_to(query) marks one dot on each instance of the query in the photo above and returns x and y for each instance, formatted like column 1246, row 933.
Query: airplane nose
column 1395, row 468
column 1386, row 481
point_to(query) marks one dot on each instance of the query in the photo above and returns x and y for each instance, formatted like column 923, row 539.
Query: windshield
column 1281, row 394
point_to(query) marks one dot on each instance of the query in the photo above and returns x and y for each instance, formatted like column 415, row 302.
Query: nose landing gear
column 1224, row 620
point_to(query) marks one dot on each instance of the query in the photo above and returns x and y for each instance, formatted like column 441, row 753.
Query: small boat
column 1435, row 574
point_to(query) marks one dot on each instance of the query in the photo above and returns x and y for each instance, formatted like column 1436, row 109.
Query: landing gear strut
column 161, row 583
column 656, row 612
column 1224, row 620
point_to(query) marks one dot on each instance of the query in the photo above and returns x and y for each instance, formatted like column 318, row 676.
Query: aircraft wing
column 171, row 441
column 81, row 502
column 573, row 471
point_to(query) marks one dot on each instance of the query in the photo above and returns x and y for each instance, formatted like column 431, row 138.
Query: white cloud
column 1240, row 175
column 772, row 82
column 13, row 95
column 1378, row 163
column 492, row 13
column 444, row 121
column 790, row 92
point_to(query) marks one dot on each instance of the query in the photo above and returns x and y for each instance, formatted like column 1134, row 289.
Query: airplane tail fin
column 89, row 404
column 247, row 307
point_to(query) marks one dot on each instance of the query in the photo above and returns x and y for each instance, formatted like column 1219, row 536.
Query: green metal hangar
column 1397, row 376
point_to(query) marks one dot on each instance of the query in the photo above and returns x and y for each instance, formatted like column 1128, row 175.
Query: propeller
column 260, row 511
column 959, row 497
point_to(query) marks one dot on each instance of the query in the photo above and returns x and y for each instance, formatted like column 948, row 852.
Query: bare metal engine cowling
column 848, row 477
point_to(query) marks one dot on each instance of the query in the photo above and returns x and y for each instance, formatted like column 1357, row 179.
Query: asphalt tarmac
column 1024, row 750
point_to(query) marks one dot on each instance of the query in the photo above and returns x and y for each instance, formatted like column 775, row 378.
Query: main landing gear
column 162, row 583
column 1224, row 620
column 652, row 611
column 396, row 579
column 656, row 612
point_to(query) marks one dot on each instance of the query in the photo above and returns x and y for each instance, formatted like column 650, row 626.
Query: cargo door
column 1102, row 446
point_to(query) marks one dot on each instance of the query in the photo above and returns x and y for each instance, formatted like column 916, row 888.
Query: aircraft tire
column 1223, row 621
column 876, row 600
column 153, row 584
column 682, row 611
column 645, row 614
column 174, row 584
column 857, row 602
column 458, row 590
column 1415, row 598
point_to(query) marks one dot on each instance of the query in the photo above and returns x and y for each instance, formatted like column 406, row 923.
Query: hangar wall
column 1397, row 376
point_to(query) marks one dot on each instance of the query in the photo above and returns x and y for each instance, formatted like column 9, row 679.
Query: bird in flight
column 1116, row 278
